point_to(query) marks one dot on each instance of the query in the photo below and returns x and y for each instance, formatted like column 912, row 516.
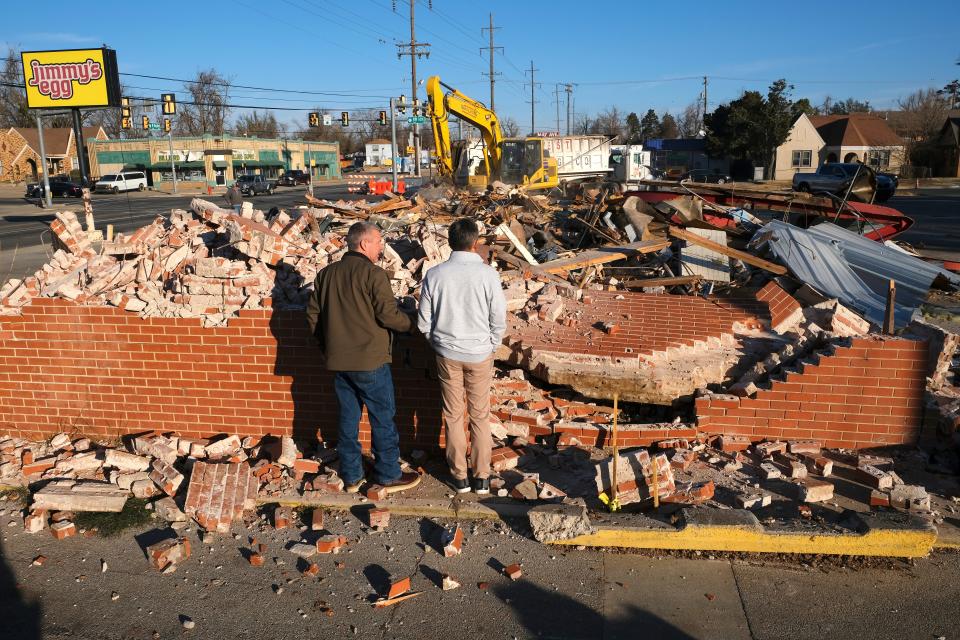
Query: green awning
column 217, row 164
column 247, row 163
column 165, row 166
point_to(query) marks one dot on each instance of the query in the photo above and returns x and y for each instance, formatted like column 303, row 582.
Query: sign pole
column 393, row 143
column 173, row 167
column 43, row 162
column 80, row 147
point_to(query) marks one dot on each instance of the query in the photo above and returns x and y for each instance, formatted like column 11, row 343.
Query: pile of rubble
column 212, row 262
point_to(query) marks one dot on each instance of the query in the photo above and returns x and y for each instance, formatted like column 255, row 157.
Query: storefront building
column 212, row 161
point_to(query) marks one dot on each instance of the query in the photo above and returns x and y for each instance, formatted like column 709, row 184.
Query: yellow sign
column 71, row 78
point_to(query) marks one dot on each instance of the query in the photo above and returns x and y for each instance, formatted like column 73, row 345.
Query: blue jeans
column 373, row 389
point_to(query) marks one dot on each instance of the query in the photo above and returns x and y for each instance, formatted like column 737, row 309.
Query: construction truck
column 521, row 162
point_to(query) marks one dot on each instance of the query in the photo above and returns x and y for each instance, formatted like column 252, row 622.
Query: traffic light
column 166, row 125
column 125, row 108
column 416, row 106
column 313, row 118
column 125, row 123
column 169, row 101
column 383, row 118
column 402, row 106
column 345, row 118
column 145, row 123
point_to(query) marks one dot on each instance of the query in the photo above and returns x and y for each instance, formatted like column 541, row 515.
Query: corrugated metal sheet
column 853, row 269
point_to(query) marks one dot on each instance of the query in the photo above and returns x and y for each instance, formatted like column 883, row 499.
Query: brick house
column 861, row 137
column 20, row 151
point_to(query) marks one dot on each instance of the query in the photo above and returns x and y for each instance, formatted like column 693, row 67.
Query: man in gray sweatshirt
column 463, row 315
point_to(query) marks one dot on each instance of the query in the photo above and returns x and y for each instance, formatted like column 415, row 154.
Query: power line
column 352, row 94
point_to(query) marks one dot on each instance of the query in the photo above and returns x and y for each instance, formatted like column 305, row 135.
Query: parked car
column 293, row 177
column 706, row 175
column 253, row 185
column 835, row 178
column 123, row 181
column 60, row 187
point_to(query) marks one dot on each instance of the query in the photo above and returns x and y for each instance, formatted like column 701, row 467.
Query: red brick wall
column 105, row 372
column 782, row 305
column 629, row 435
column 867, row 394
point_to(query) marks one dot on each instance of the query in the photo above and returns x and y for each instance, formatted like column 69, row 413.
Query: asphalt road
column 936, row 212
column 564, row 593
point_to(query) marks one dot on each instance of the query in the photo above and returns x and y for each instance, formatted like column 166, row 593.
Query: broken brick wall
column 869, row 393
column 104, row 372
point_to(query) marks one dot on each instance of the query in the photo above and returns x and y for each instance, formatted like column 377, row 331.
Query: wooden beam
column 515, row 241
column 749, row 258
column 661, row 282
column 603, row 255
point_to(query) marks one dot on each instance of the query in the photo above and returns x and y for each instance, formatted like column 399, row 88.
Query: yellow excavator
column 521, row 162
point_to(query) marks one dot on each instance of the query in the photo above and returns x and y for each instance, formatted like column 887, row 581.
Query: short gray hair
column 357, row 232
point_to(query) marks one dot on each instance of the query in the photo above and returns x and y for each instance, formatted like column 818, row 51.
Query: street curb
column 492, row 509
column 737, row 530
column 888, row 534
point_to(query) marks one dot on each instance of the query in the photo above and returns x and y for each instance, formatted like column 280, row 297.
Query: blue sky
column 634, row 55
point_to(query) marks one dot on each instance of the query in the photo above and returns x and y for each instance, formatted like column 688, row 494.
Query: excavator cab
column 525, row 162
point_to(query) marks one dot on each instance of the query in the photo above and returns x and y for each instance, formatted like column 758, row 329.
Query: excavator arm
column 468, row 110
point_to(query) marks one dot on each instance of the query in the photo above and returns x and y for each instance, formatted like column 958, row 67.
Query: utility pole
column 569, row 89
column 533, row 99
column 393, row 144
column 704, row 98
column 492, row 49
column 556, row 99
column 415, row 50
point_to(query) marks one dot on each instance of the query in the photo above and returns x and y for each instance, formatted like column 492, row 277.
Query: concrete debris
column 68, row 495
column 561, row 521
column 449, row 583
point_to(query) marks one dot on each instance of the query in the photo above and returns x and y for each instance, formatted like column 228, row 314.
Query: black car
column 887, row 184
column 706, row 175
column 59, row 188
column 293, row 177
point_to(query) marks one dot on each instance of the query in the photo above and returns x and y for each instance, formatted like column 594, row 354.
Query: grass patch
column 134, row 514
column 20, row 495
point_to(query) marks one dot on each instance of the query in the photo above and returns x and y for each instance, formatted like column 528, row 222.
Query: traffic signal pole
column 393, row 143
column 173, row 167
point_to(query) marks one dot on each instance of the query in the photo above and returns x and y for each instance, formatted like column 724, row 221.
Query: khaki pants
column 459, row 380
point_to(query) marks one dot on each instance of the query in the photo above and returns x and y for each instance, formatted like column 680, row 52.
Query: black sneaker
column 481, row 486
column 460, row 485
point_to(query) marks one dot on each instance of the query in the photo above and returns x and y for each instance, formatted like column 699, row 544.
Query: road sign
column 416, row 119
column 154, row 126
column 327, row 119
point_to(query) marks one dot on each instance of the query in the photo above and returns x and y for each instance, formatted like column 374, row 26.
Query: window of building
column 878, row 158
column 802, row 158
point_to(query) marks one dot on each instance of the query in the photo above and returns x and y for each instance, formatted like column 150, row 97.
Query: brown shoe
column 407, row 480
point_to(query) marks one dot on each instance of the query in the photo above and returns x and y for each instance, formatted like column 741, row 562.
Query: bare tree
column 582, row 124
column 13, row 99
column 263, row 125
column 510, row 127
column 611, row 123
column 922, row 114
column 209, row 108
column 690, row 120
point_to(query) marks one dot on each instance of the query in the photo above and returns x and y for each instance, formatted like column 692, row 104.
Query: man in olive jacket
column 351, row 312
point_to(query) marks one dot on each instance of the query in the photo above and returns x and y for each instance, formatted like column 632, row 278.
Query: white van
column 124, row 181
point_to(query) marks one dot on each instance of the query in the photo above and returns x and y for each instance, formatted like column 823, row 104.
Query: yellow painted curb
column 903, row 543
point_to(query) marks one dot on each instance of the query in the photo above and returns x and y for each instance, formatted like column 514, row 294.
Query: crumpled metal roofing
column 853, row 269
